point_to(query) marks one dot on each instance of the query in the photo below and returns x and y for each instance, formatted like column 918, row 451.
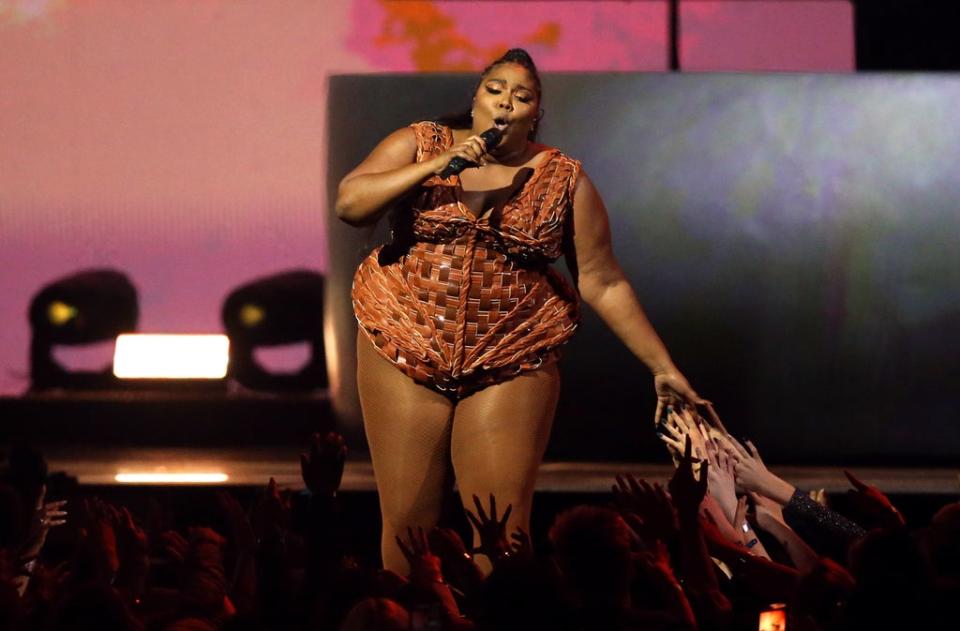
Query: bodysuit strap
column 432, row 138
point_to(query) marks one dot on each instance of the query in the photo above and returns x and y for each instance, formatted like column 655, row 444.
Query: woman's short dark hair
column 464, row 119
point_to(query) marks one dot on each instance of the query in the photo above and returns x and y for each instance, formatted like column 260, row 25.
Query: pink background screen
column 182, row 142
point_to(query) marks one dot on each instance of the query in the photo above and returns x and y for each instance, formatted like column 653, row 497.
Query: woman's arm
column 603, row 286
column 390, row 171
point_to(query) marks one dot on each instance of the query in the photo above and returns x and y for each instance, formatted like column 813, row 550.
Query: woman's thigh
column 408, row 430
column 499, row 436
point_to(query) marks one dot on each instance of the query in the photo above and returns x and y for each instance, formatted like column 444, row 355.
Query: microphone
column 491, row 138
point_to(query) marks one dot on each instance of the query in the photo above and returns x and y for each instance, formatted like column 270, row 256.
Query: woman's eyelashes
column 523, row 98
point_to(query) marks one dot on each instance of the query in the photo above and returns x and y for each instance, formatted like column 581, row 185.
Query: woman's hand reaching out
column 673, row 389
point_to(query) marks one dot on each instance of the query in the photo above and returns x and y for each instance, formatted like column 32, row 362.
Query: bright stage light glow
column 172, row 478
column 171, row 356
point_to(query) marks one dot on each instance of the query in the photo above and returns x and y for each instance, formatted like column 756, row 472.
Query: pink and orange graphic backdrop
column 182, row 142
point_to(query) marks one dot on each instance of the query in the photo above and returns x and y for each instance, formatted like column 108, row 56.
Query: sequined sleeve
column 826, row 531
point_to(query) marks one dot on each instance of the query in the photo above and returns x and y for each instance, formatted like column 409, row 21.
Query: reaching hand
column 322, row 469
column 133, row 546
column 175, row 546
column 673, row 389
column 521, row 547
column 872, row 505
column 447, row 544
column 491, row 531
column 739, row 522
column 655, row 563
column 99, row 539
column 425, row 568
column 47, row 582
column 654, row 510
column 714, row 420
column 239, row 528
column 720, row 479
column 714, row 516
column 457, row 564
column 769, row 513
column 45, row 516
column 272, row 513
column 753, row 475
column 681, row 423
column 686, row 491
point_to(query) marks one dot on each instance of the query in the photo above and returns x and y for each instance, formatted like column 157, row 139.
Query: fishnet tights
column 495, row 439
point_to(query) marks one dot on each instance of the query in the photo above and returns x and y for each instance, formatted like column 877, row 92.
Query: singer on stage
column 461, row 316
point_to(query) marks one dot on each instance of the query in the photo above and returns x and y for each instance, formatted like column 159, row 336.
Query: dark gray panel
column 793, row 238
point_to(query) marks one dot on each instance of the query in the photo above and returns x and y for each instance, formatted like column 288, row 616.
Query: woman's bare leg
column 408, row 429
column 499, row 436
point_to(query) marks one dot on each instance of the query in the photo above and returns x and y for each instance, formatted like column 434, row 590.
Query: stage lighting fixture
column 163, row 477
column 171, row 356
column 85, row 308
column 278, row 310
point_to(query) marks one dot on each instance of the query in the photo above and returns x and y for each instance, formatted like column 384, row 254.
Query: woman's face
column 506, row 99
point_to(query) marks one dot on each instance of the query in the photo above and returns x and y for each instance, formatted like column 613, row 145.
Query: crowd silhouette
column 726, row 542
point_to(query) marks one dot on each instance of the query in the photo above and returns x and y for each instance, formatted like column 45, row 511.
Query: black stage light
column 278, row 310
column 84, row 308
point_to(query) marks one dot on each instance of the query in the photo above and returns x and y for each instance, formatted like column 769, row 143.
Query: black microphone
column 491, row 138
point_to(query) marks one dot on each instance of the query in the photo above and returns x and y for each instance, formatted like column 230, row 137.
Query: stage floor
column 95, row 436
column 254, row 466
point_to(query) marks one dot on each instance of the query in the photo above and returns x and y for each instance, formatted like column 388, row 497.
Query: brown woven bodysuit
column 459, row 303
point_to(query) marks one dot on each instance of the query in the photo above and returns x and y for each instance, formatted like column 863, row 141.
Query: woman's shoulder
column 558, row 158
column 432, row 136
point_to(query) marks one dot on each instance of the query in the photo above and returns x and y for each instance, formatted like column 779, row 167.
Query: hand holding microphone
column 469, row 152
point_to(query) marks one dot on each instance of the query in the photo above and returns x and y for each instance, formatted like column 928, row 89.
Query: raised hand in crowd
column 721, row 483
column 322, row 468
column 241, row 536
column 682, row 422
column 770, row 519
column 686, row 420
column 654, row 573
column 656, row 517
column 748, row 538
column 753, row 475
column 426, row 574
column 98, row 557
column 425, row 567
column 520, row 545
column 133, row 551
column 491, row 531
column 272, row 512
column 203, row 584
column 175, row 546
column 872, row 509
column 713, row 609
column 712, row 516
column 456, row 562
column 824, row 530
column 46, row 515
column 239, row 529
column 686, row 491
column 325, row 534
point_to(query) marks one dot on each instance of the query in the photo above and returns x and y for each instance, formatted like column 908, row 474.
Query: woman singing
column 461, row 316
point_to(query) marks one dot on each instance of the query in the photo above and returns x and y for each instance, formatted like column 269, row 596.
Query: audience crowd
column 726, row 545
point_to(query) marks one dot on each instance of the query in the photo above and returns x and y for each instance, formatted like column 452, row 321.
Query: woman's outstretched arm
column 603, row 286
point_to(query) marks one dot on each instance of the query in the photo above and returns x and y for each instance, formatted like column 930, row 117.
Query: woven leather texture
column 459, row 303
